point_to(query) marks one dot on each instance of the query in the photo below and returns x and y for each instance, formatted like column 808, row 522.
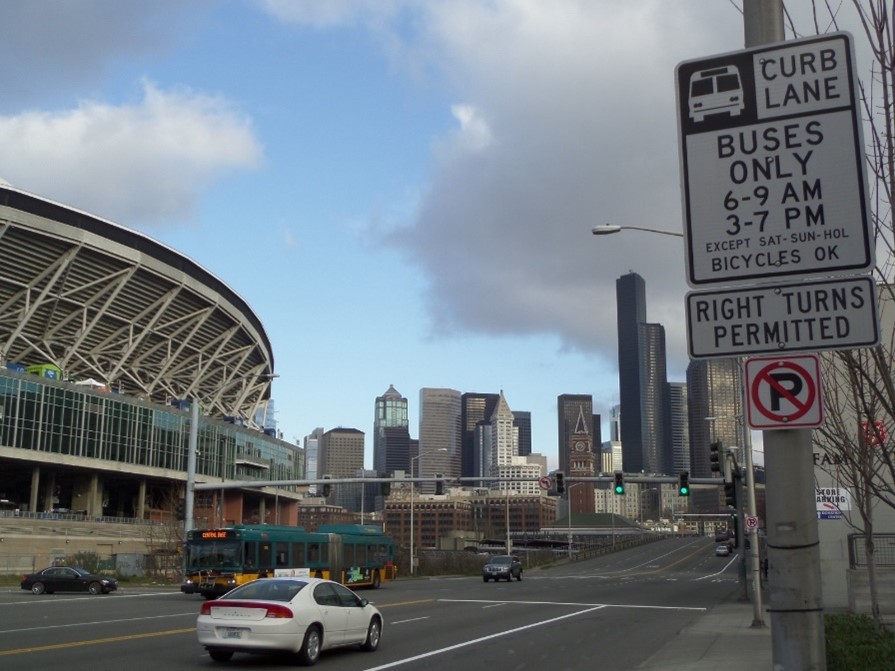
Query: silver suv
column 502, row 566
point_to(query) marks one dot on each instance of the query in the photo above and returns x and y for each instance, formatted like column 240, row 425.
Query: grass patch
column 853, row 644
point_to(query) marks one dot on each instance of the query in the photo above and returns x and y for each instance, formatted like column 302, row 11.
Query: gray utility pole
column 795, row 604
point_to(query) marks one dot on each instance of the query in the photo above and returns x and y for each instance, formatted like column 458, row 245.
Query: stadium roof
column 102, row 301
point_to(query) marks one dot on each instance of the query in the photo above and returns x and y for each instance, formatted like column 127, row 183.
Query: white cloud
column 143, row 163
column 568, row 121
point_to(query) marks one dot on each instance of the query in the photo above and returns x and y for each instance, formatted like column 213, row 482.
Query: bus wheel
column 375, row 579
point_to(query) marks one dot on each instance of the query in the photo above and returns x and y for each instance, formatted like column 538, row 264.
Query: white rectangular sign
column 772, row 161
column 831, row 502
column 780, row 318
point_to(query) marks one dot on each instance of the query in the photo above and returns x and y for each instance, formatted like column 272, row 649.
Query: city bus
column 219, row 559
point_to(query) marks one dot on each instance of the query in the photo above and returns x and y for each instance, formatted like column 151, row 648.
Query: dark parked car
column 68, row 579
column 502, row 566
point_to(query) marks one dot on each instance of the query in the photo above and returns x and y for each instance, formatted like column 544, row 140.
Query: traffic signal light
column 683, row 484
column 619, row 483
column 560, row 482
column 730, row 493
column 180, row 509
column 385, row 488
column 327, row 488
column 439, row 484
column 715, row 456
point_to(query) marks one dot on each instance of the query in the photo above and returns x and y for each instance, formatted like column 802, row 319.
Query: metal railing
column 883, row 550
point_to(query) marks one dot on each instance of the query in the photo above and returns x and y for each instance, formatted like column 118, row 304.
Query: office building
column 439, row 435
column 312, row 457
column 716, row 410
column 341, row 456
column 391, row 433
column 678, row 427
column 522, row 421
column 642, row 380
column 476, row 410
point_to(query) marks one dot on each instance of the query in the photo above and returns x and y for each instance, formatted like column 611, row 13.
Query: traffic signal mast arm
column 255, row 484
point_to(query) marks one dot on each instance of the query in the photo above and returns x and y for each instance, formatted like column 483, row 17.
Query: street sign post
column 772, row 160
column 796, row 317
column 783, row 392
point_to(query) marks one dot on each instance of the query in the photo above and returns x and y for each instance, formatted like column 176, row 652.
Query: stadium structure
column 106, row 339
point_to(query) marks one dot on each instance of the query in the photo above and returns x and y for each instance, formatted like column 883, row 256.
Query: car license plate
column 232, row 632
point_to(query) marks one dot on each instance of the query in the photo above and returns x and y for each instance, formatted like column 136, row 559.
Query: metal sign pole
column 797, row 632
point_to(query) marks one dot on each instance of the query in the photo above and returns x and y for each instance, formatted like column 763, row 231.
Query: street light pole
column 609, row 229
column 509, row 542
column 412, row 486
column 192, row 447
column 412, row 527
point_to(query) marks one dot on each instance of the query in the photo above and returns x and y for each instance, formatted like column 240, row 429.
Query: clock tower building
column 581, row 465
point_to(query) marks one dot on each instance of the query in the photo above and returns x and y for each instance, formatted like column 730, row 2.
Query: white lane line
column 712, row 575
column 413, row 619
column 91, row 624
column 465, row 644
column 577, row 604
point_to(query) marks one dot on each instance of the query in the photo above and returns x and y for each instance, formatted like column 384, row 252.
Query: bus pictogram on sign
column 783, row 392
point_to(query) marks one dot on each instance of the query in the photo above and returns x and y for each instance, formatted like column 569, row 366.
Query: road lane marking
column 413, row 619
column 96, row 622
column 577, row 604
column 98, row 641
column 402, row 603
column 465, row 644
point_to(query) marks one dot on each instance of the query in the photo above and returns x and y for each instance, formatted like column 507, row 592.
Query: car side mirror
column 363, row 603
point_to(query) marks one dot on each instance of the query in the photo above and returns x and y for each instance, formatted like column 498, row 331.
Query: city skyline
column 449, row 177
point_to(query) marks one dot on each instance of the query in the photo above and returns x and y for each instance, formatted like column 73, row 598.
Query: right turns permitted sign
column 783, row 392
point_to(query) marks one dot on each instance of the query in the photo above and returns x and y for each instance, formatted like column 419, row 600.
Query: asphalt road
column 611, row 612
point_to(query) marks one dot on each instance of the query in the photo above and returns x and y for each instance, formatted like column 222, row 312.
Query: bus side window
column 313, row 553
column 298, row 554
column 282, row 555
column 266, row 558
column 250, row 549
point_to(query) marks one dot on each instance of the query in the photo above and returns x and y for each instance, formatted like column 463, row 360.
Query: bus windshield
column 213, row 554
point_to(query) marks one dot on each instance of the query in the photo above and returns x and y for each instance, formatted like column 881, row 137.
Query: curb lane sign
column 795, row 317
column 783, row 392
column 773, row 163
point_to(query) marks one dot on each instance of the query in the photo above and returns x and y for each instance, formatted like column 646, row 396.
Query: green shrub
column 853, row 644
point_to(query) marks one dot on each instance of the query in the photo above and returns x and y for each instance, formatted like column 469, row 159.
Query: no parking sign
column 783, row 392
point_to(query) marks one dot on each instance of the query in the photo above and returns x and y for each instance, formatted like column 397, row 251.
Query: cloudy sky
column 402, row 189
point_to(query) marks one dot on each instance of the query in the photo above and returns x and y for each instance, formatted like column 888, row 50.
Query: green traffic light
column 619, row 489
column 685, row 491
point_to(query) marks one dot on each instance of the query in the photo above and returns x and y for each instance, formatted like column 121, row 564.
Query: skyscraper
column 678, row 427
column 312, row 457
column 439, row 436
column 504, row 437
column 391, row 433
column 475, row 409
column 568, row 409
column 522, row 420
column 654, row 435
column 642, row 380
column 716, row 410
column 343, row 453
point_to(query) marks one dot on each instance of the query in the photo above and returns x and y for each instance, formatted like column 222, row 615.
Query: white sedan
column 303, row 616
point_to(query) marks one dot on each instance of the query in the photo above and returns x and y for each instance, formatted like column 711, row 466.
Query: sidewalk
column 722, row 638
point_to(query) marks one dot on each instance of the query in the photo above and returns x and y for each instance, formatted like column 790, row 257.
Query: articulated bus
column 217, row 560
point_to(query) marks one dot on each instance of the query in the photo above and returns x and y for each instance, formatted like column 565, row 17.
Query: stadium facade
column 106, row 338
